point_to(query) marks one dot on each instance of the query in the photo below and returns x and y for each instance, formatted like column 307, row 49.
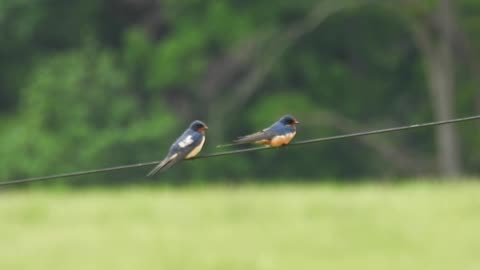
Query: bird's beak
column 296, row 122
column 205, row 127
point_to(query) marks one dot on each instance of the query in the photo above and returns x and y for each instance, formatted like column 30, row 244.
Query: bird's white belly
column 197, row 149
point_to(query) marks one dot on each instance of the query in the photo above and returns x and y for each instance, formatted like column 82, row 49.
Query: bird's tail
column 227, row 145
column 163, row 165
column 239, row 141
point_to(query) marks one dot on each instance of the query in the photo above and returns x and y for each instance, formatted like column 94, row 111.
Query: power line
column 253, row 149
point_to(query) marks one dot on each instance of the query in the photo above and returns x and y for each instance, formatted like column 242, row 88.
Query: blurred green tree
column 92, row 83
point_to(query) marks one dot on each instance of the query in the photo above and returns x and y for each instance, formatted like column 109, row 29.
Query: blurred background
column 98, row 83
column 88, row 84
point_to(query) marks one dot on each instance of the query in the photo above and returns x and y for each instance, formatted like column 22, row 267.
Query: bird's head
column 289, row 120
column 198, row 126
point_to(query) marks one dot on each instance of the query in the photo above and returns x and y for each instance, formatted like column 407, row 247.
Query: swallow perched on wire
column 188, row 145
column 278, row 134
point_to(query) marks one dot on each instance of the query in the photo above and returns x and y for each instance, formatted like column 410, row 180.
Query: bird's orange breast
column 282, row 139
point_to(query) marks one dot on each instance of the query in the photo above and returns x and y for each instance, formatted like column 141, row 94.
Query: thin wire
column 253, row 149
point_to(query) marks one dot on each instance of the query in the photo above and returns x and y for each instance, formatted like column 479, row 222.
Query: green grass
column 408, row 226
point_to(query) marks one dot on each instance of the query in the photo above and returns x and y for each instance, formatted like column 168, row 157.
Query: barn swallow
column 188, row 145
column 278, row 134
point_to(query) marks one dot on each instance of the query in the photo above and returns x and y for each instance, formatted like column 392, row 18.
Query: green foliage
column 82, row 116
column 177, row 60
column 86, row 84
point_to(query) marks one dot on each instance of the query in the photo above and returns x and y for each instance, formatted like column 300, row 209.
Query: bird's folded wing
column 255, row 137
column 188, row 140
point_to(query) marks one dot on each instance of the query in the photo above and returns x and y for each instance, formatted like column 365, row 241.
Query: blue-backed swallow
column 278, row 134
column 186, row 146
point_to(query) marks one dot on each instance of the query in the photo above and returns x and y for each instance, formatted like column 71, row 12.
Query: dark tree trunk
column 435, row 38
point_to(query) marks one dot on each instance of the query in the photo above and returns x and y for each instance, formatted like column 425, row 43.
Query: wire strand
column 239, row 151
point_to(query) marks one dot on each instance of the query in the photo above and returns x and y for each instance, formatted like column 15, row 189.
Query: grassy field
column 408, row 226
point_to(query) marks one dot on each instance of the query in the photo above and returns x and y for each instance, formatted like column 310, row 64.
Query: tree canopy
column 87, row 84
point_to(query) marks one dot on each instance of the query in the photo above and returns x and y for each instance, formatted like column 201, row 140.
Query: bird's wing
column 178, row 151
column 266, row 134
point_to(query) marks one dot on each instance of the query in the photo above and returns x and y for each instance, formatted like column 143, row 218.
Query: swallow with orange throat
column 278, row 134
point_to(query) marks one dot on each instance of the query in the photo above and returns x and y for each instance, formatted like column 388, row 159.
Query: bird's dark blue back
column 177, row 148
column 280, row 128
